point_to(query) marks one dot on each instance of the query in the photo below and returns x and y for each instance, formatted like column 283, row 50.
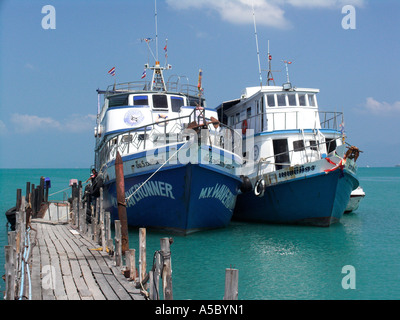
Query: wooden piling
column 167, row 271
column 231, row 284
column 142, row 254
column 131, row 263
column 122, row 215
column 118, row 248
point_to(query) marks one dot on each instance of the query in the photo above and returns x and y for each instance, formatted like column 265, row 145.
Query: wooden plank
column 46, row 280
column 76, row 272
column 35, row 266
column 75, row 257
column 59, row 290
column 87, row 275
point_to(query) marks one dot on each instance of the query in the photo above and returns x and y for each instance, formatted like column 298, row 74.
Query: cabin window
column 330, row 145
column 313, row 145
column 298, row 145
column 311, row 100
column 281, row 153
column 248, row 113
column 237, row 117
column 176, row 104
column 140, row 101
column 160, row 101
column 281, row 99
column 271, row 100
column 292, row 99
column 117, row 101
column 302, row 100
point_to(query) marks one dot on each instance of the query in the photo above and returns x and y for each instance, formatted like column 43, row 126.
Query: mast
column 258, row 52
column 155, row 17
column 157, row 82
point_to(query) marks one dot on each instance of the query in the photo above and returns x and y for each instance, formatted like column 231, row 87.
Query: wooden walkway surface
column 68, row 266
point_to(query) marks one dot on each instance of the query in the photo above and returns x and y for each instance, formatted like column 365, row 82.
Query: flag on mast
column 200, row 78
column 112, row 71
column 144, row 74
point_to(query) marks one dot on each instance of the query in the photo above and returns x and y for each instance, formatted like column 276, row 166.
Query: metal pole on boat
column 155, row 9
column 258, row 52
column 120, row 186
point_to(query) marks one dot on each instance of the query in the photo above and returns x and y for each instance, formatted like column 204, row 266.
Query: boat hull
column 319, row 199
column 182, row 199
column 355, row 199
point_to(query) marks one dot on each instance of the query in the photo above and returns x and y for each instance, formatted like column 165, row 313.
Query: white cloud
column 80, row 123
column 329, row 4
column 268, row 12
column 238, row 11
column 25, row 123
column 382, row 108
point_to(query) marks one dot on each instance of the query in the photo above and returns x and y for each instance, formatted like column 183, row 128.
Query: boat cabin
column 286, row 124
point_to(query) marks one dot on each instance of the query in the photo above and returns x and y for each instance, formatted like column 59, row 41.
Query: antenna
column 287, row 85
column 270, row 77
column 155, row 8
column 258, row 52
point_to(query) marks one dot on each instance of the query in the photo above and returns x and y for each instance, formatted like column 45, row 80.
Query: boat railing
column 172, row 86
column 128, row 87
column 289, row 120
column 170, row 132
column 331, row 120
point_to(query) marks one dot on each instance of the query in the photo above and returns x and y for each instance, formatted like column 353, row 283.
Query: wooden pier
column 71, row 255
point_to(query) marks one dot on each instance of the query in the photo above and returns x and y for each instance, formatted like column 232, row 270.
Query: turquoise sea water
column 274, row 262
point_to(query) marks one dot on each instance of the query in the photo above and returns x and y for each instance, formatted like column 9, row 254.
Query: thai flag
column 166, row 51
column 144, row 74
column 112, row 71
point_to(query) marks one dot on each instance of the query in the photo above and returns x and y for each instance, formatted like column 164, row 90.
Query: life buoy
column 259, row 188
column 244, row 126
column 161, row 118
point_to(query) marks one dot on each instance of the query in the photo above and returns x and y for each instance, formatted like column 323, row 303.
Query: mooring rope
column 127, row 199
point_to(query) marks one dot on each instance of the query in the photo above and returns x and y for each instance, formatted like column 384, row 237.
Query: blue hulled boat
column 180, row 171
column 297, row 162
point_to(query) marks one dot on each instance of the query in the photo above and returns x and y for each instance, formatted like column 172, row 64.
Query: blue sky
column 49, row 77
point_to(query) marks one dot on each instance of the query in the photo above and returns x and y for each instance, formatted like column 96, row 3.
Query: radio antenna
column 258, row 52
column 155, row 7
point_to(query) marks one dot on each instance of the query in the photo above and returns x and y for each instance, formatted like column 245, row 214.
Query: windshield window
column 281, row 100
column 160, row 101
column 140, row 101
column 176, row 104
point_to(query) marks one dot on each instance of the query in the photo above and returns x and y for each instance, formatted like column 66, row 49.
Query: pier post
column 109, row 241
column 142, row 254
column 118, row 248
column 231, row 284
column 102, row 229
column 120, row 186
column 10, row 273
column 166, row 270
column 131, row 263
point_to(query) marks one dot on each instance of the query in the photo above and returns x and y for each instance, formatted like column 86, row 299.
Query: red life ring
column 244, row 126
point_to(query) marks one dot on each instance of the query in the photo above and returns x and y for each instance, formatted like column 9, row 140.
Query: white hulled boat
column 180, row 172
column 299, row 167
